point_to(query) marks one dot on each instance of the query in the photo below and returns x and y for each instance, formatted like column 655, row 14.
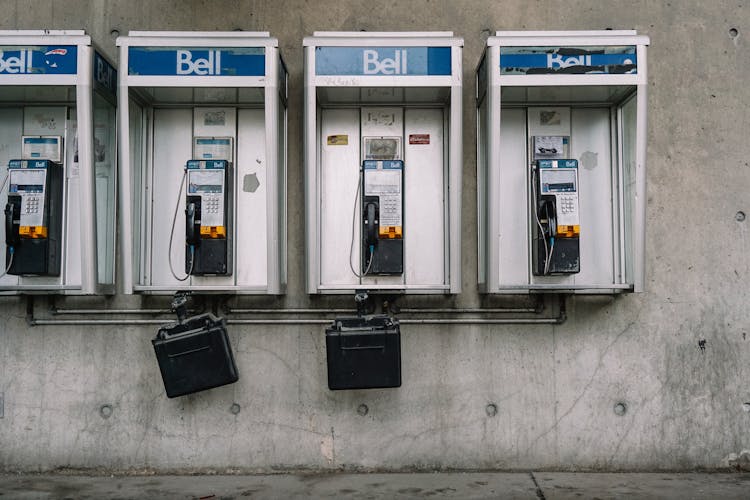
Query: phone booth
column 58, row 161
column 383, row 159
column 561, row 162
column 203, row 162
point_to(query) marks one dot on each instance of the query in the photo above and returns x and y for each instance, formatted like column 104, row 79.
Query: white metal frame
column 83, row 81
column 453, row 141
column 495, row 81
column 276, row 167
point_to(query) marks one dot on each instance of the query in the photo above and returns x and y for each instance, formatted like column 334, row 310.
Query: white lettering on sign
column 560, row 61
column 16, row 65
column 201, row 66
column 388, row 66
column 105, row 74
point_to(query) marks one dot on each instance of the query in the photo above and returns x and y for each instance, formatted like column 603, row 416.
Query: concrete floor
column 538, row 485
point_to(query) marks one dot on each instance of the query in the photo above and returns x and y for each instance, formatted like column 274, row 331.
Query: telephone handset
column 382, row 217
column 12, row 221
column 207, row 217
column 33, row 217
column 192, row 222
column 556, row 220
column 371, row 223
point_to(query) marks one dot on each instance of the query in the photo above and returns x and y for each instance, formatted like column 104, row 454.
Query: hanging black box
column 364, row 353
column 195, row 355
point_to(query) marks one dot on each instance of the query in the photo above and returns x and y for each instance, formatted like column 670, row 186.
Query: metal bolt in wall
column 363, row 410
column 491, row 410
column 235, row 409
column 739, row 216
column 620, row 409
column 105, row 411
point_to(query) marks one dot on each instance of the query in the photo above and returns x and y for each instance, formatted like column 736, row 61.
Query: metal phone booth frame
column 57, row 83
column 179, row 85
column 597, row 80
column 411, row 82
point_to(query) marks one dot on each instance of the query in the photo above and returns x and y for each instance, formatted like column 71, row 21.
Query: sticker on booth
column 419, row 138
column 338, row 140
column 44, row 60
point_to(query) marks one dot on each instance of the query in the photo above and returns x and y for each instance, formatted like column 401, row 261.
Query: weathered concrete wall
column 555, row 387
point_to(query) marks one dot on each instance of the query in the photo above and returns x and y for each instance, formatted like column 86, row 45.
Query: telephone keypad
column 211, row 204
column 567, row 204
column 32, row 204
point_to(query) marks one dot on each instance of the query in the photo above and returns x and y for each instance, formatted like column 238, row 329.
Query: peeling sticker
column 589, row 160
column 338, row 140
column 215, row 118
column 250, row 183
column 419, row 138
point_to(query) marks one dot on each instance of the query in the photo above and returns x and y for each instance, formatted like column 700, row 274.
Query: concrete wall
column 555, row 388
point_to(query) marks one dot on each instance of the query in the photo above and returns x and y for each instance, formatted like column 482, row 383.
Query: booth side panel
column 282, row 193
column 482, row 188
column 251, row 251
column 591, row 145
column 513, row 187
column 628, row 127
column 339, row 179
column 11, row 130
column 172, row 149
column 425, row 224
column 71, row 235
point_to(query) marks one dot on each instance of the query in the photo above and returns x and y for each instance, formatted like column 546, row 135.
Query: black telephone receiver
column 551, row 212
column 11, row 228
column 372, row 226
column 191, row 234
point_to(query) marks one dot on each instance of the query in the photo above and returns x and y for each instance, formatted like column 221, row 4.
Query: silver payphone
column 207, row 217
column 556, row 220
column 33, row 218
column 382, row 217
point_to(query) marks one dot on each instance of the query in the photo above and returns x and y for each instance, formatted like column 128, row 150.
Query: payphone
column 57, row 140
column 207, row 211
column 382, row 217
column 383, row 159
column 33, row 218
column 561, row 162
column 215, row 104
column 557, row 227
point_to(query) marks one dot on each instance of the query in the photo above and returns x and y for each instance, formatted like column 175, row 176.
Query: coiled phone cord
column 171, row 237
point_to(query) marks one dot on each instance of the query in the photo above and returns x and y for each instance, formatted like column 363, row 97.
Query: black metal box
column 195, row 355
column 364, row 353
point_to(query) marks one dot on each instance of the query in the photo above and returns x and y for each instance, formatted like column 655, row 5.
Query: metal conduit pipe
column 446, row 310
column 496, row 310
column 57, row 311
column 559, row 319
column 424, row 321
